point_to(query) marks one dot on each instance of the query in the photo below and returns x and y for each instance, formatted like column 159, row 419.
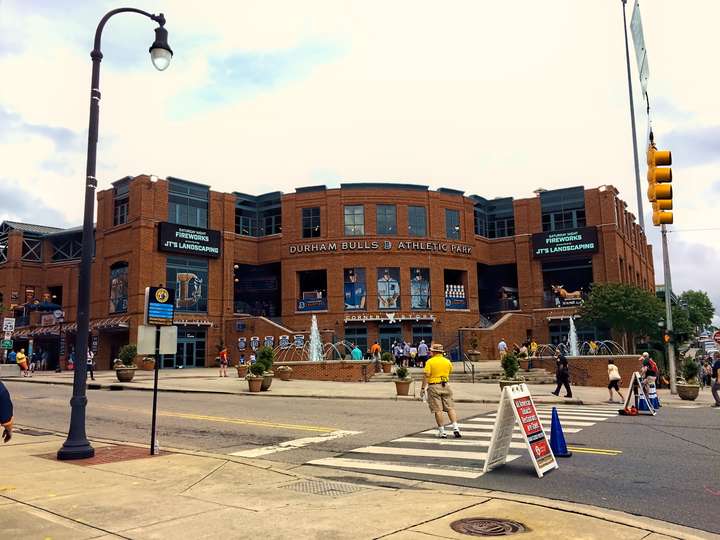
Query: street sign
column 159, row 306
column 639, row 41
column 716, row 336
column 8, row 335
column 516, row 405
column 8, row 324
column 6, row 344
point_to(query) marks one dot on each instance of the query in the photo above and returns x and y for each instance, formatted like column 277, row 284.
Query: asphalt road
column 668, row 468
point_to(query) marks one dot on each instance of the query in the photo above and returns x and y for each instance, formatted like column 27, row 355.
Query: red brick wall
column 592, row 370
column 341, row 371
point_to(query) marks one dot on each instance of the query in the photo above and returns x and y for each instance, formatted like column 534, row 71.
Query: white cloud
column 493, row 98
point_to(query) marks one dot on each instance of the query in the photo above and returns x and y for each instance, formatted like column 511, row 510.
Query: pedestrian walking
column 91, row 363
column 413, row 355
column 562, row 374
column 21, row 360
column 406, row 354
column 12, row 357
column 223, row 354
column 397, row 353
column 375, row 351
column 356, row 353
column 614, row 378
column 44, row 358
column 502, row 348
column 436, row 383
column 715, row 388
column 6, row 413
column 34, row 360
column 422, row 353
column 648, row 371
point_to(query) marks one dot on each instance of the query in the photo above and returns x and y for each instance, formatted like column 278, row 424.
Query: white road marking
column 564, row 416
column 419, row 452
column 486, row 434
column 490, row 420
column 293, row 444
column 452, row 442
column 345, row 463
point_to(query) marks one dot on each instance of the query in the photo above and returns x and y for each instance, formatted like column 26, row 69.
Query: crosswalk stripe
column 564, row 416
column 484, row 434
column 609, row 411
column 451, row 442
column 345, row 463
column 490, row 420
column 479, row 427
column 419, row 452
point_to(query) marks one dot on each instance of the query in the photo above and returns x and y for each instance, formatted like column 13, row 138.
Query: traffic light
column 666, row 337
column 659, row 177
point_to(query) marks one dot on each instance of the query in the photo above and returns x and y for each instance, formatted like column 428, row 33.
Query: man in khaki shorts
column 439, row 394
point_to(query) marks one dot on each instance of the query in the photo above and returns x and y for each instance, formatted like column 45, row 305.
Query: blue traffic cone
column 557, row 439
column 642, row 404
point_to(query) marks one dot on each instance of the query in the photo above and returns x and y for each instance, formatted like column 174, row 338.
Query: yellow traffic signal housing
column 659, row 176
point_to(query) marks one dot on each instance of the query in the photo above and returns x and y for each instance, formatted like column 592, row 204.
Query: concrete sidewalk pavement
column 206, row 380
column 126, row 494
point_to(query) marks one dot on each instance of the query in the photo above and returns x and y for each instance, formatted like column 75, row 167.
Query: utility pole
column 668, row 310
column 641, row 218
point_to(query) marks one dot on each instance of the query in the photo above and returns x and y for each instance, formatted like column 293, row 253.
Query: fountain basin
column 330, row 370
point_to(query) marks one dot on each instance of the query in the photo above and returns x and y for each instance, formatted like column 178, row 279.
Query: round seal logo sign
column 162, row 296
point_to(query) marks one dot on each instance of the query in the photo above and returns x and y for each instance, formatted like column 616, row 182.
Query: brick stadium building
column 373, row 261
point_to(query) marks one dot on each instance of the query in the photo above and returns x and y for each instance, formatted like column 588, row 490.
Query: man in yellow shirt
column 439, row 395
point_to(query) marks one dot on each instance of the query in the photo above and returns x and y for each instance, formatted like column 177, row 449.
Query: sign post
column 159, row 313
column 516, row 406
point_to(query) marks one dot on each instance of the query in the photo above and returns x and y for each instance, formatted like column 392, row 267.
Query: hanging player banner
column 299, row 341
column 517, row 407
column 269, row 341
column 254, row 343
column 284, row 342
column 242, row 343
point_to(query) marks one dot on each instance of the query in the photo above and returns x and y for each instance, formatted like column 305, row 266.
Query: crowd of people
column 38, row 360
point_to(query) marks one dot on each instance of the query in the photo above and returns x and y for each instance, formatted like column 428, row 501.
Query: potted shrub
column 126, row 370
column 285, row 372
column 402, row 383
column 473, row 353
column 689, row 388
column 510, row 367
column 242, row 370
column 255, row 377
column 387, row 361
column 265, row 358
column 148, row 363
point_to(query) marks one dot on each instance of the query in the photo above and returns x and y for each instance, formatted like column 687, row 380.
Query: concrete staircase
column 483, row 374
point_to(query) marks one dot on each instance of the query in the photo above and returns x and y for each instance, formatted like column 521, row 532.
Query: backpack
column 652, row 366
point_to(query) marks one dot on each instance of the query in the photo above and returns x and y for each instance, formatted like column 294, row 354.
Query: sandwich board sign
column 516, row 406
column 636, row 393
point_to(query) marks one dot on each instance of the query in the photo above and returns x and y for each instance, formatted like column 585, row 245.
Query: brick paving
column 109, row 454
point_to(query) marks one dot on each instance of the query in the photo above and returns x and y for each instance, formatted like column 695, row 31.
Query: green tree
column 625, row 308
column 699, row 307
column 682, row 326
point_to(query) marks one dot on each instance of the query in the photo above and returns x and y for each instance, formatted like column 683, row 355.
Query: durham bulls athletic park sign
column 376, row 245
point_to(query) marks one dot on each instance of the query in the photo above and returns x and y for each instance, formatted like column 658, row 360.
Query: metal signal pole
column 668, row 310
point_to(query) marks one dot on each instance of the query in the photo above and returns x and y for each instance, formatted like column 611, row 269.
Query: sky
column 493, row 98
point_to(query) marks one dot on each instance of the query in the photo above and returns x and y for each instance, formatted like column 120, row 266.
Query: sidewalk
column 123, row 494
column 205, row 380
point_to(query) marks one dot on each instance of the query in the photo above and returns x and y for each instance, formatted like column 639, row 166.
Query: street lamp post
column 77, row 445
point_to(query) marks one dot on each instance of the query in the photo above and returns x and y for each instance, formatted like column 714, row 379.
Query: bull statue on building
column 565, row 295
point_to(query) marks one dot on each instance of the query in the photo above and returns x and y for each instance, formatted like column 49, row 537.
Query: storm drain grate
column 322, row 487
column 487, row 527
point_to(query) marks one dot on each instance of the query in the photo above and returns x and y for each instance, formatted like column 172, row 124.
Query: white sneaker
column 442, row 435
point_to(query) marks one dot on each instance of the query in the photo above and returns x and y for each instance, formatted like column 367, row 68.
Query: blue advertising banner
column 159, row 306
column 314, row 304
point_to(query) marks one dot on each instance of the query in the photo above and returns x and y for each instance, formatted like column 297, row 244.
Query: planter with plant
column 265, row 357
column 387, row 361
column 474, row 353
column 402, row 382
column 689, row 388
column 255, row 377
column 148, row 363
column 285, row 372
column 242, row 370
column 125, row 372
column 510, row 367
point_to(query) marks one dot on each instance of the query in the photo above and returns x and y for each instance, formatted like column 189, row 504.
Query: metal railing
column 467, row 362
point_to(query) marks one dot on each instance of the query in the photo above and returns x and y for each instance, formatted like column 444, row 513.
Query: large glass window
column 417, row 221
column 188, row 204
column 501, row 227
column 563, row 209
column 189, row 277
column 356, row 335
column 354, row 288
column 455, row 287
column 558, row 221
column 420, row 288
column 386, row 219
column 119, row 287
column 354, row 220
column 312, row 290
column 270, row 222
column 121, row 203
column 452, row 224
column 311, row 222
column 388, row 288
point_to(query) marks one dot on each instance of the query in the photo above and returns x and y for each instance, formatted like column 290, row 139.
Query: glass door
column 389, row 335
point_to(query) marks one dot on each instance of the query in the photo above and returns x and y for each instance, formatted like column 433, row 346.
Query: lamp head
column 160, row 51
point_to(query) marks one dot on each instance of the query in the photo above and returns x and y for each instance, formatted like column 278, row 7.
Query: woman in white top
column 614, row 378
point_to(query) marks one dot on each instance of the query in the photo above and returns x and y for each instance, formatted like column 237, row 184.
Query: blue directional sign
column 159, row 306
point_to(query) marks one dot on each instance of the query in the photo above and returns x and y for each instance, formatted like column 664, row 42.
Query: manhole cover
column 33, row 432
column 321, row 487
column 487, row 527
